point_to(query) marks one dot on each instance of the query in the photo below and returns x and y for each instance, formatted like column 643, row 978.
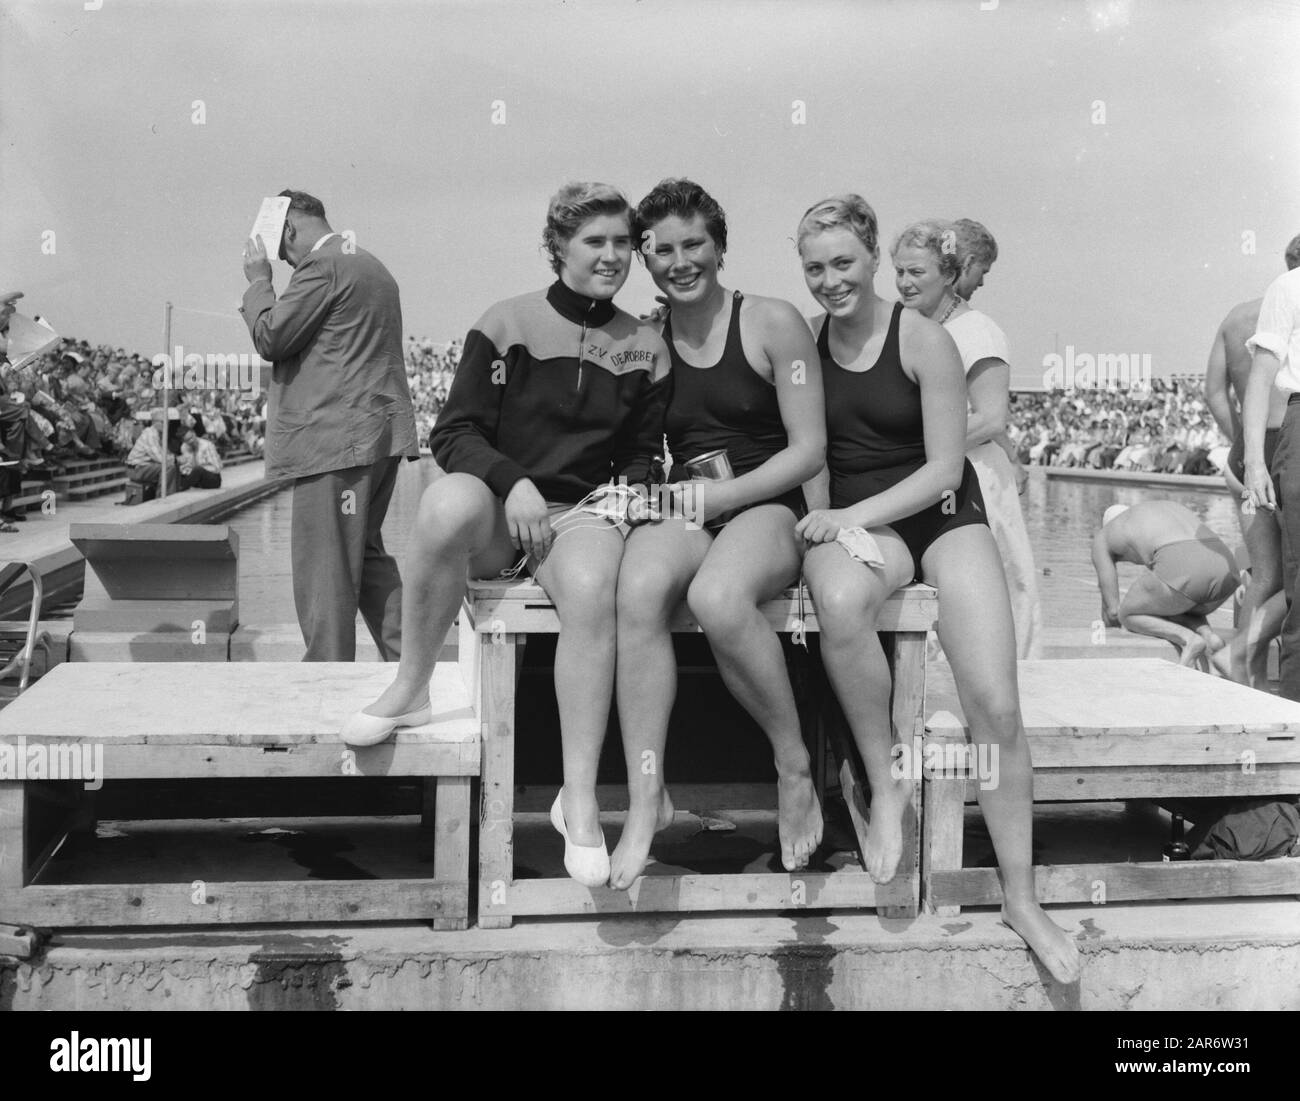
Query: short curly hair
column 937, row 237
column 573, row 205
column 848, row 211
column 684, row 198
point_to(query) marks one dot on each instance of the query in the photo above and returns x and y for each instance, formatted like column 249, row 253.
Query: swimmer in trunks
column 1190, row 572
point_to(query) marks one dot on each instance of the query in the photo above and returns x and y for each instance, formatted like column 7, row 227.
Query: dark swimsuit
column 730, row 406
column 875, row 439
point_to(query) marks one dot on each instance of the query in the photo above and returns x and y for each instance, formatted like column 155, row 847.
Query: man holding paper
column 339, row 420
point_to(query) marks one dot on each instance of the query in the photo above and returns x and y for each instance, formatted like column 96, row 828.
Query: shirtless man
column 1263, row 605
column 1189, row 573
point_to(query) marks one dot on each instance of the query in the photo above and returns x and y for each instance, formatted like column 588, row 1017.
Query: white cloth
column 1278, row 328
column 978, row 337
column 861, row 545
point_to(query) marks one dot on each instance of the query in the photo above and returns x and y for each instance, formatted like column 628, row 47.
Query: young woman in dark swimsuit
column 745, row 378
column 896, row 438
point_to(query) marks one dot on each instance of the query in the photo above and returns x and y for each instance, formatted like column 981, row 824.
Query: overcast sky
column 1123, row 224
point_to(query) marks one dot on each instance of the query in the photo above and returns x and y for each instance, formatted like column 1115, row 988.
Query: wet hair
column 304, row 203
column 573, row 205
column 683, row 198
column 937, row 237
column 975, row 241
column 1293, row 253
column 848, row 211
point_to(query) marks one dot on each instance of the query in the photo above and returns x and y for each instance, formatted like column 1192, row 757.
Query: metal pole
column 167, row 350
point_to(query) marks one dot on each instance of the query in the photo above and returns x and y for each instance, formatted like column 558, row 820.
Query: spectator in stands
column 147, row 460
column 1189, row 572
column 200, row 464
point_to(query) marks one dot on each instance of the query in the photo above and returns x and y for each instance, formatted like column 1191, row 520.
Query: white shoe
column 588, row 864
column 364, row 729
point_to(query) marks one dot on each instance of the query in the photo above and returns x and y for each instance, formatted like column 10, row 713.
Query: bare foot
column 799, row 819
column 1211, row 637
column 1053, row 946
column 1221, row 661
column 1193, row 653
column 645, row 818
column 884, row 844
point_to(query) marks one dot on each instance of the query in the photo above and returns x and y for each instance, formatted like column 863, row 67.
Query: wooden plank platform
column 194, row 720
column 498, row 617
column 1117, row 729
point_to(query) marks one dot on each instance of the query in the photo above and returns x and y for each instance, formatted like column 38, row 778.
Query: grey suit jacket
column 338, row 396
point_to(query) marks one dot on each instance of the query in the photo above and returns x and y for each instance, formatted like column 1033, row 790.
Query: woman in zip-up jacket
column 558, row 392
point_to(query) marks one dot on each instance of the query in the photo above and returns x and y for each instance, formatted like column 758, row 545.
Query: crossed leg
column 848, row 596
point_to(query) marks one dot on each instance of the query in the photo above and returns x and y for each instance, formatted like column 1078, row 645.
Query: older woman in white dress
column 927, row 266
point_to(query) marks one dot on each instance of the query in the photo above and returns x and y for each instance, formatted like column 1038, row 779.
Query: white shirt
column 1278, row 329
column 977, row 337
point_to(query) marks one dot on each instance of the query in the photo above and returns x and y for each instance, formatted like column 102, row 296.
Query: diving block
column 84, row 723
column 1103, row 729
column 495, row 623
column 156, row 592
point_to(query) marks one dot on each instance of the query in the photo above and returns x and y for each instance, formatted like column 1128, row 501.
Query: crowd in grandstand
column 84, row 401
column 1164, row 427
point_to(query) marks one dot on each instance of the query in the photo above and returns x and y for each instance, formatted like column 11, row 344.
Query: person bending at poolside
column 1189, row 573
column 557, row 393
column 905, row 502
column 745, row 379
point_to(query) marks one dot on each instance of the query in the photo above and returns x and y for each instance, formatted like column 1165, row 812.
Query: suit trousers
column 1286, row 487
column 339, row 562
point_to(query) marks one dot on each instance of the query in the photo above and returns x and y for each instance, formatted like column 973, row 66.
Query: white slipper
column 363, row 729
column 588, row 864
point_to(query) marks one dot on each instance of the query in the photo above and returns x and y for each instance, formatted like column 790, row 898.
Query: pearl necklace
column 956, row 301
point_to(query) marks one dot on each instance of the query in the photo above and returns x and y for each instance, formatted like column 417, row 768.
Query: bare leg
column 978, row 637
column 848, row 596
column 1263, row 607
column 459, row 529
column 658, row 565
column 753, row 558
column 580, row 575
column 1150, row 607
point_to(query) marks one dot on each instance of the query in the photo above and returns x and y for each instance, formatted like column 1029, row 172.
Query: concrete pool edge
column 61, row 565
column 1151, row 956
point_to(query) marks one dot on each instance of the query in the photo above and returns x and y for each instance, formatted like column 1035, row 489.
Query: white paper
column 29, row 339
column 270, row 224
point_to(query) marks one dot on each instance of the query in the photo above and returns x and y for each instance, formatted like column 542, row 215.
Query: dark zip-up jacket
column 566, row 390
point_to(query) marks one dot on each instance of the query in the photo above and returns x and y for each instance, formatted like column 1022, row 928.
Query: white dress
column 978, row 337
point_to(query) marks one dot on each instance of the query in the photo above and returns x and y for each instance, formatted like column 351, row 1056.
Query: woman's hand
column 822, row 525
column 528, row 520
column 699, row 500
column 1109, row 616
column 1259, row 486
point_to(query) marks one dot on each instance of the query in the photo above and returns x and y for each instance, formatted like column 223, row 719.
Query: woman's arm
column 988, row 389
column 790, row 351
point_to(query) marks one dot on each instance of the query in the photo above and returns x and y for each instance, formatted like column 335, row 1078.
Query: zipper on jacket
column 582, row 343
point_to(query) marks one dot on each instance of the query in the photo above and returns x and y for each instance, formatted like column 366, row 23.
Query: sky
column 1137, row 160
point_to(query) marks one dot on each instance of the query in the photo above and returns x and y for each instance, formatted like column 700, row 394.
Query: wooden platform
column 1117, row 730
column 496, row 621
column 197, row 720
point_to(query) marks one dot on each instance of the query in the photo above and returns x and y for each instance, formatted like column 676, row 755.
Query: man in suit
column 339, row 420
